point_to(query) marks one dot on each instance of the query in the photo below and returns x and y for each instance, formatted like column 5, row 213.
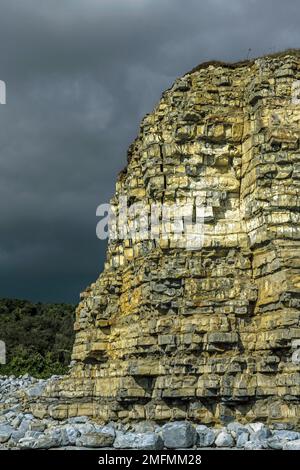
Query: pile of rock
column 11, row 385
column 23, row 431
column 12, row 389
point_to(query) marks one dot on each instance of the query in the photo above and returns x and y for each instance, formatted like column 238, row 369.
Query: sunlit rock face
column 209, row 332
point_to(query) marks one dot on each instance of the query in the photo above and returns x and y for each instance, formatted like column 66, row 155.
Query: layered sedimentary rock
column 207, row 334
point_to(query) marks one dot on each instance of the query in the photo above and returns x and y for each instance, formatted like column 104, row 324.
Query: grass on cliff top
column 38, row 337
column 232, row 65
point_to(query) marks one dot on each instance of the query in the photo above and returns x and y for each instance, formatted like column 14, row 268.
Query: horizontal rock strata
column 21, row 430
column 212, row 333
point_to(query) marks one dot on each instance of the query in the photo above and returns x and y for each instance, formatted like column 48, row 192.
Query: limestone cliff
column 210, row 333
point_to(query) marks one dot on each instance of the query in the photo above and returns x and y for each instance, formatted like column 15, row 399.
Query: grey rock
column 5, row 433
column 241, row 439
column 250, row 445
column 145, row 426
column 275, row 443
column 206, row 436
column 21, row 431
column 105, row 429
column 287, row 435
column 224, row 439
column 16, row 436
column 10, row 415
column 292, row 445
column 33, row 434
column 111, row 424
column 258, row 432
column 84, row 428
column 25, row 424
column 179, row 434
column 36, row 390
column 236, row 428
column 259, row 443
column 261, row 435
column 72, row 434
column 255, row 427
column 26, row 443
column 42, row 442
column 146, row 441
column 45, row 442
column 59, row 435
column 283, row 426
column 96, row 439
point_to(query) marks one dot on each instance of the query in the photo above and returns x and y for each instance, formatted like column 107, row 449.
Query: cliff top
column 245, row 62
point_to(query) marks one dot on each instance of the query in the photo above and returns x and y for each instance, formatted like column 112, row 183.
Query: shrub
column 39, row 337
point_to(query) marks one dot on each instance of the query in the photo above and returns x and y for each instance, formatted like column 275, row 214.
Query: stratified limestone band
column 208, row 334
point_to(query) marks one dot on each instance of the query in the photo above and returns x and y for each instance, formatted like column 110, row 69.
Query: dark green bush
column 39, row 337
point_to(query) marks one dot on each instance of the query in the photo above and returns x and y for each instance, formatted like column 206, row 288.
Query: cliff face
column 209, row 333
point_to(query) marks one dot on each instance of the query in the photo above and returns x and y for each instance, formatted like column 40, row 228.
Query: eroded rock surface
column 208, row 334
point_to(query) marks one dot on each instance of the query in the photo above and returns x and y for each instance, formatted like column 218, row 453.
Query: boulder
column 292, row 445
column 261, row 435
column 224, row 439
column 242, row 439
column 59, row 435
column 255, row 427
column 179, row 434
column 5, row 433
column 287, row 435
column 236, row 429
column 36, row 390
column 275, row 443
column 72, row 434
column 251, row 445
column 46, row 442
column 146, row 441
column 26, row 443
column 42, row 442
column 96, row 439
column 206, row 436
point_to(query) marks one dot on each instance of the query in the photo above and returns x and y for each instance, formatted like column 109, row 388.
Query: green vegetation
column 39, row 337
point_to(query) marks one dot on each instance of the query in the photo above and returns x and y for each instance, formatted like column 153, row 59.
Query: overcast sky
column 80, row 75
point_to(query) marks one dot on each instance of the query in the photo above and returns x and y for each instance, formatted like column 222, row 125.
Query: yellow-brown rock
column 211, row 333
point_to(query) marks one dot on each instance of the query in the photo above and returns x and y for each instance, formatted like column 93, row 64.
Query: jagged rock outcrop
column 209, row 334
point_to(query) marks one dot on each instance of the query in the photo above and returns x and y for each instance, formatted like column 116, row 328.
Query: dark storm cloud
column 80, row 74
